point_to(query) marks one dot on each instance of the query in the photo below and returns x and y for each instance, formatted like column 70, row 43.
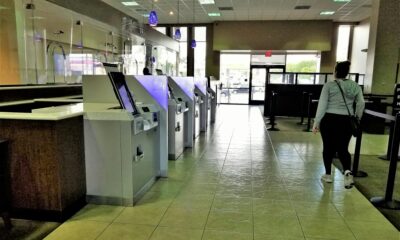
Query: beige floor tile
column 230, row 221
column 170, row 233
column 373, row 230
column 127, row 231
column 222, row 235
column 317, row 209
column 275, row 237
column 315, row 227
column 141, row 214
column 272, row 207
column 232, row 204
column 78, row 230
column 104, row 213
column 185, row 218
column 274, row 225
column 195, row 201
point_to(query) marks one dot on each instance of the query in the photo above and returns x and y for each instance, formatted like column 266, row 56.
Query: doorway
column 258, row 78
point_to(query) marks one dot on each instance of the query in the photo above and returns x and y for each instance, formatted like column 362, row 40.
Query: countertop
column 47, row 114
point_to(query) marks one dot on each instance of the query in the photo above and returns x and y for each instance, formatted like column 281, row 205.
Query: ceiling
column 246, row 10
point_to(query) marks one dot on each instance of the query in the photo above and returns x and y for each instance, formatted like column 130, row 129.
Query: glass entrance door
column 258, row 79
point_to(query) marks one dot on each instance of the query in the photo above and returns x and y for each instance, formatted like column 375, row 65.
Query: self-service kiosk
column 183, row 90
column 200, row 92
column 121, row 139
column 212, row 104
column 176, row 125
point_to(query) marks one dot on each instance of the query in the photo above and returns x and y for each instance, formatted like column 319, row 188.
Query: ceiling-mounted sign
column 268, row 53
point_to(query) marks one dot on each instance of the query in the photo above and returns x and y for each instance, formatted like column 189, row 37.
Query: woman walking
column 333, row 121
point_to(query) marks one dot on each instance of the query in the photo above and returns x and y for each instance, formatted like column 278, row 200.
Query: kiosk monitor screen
column 122, row 91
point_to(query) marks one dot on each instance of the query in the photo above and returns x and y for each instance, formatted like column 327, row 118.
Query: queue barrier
column 272, row 112
column 302, row 107
column 387, row 201
column 4, row 184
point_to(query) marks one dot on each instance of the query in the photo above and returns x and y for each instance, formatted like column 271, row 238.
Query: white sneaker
column 348, row 179
column 327, row 178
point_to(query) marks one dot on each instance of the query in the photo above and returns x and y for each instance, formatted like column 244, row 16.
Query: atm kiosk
column 154, row 90
column 120, row 139
column 183, row 90
column 200, row 92
column 212, row 102
column 176, row 125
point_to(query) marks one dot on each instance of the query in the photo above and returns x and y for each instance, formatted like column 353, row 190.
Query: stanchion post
column 388, row 201
column 387, row 155
column 356, row 161
column 303, row 99
column 309, row 113
column 272, row 114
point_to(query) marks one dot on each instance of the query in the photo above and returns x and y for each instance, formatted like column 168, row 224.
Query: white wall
column 360, row 41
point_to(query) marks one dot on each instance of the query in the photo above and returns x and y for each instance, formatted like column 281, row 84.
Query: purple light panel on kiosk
column 187, row 85
column 201, row 83
column 157, row 87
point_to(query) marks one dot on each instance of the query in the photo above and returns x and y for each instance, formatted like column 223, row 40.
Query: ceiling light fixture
column 342, row 1
column 193, row 44
column 177, row 34
column 327, row 13
column 153, row 18
column 206, row 2
column 130, row 3
column 214, row 14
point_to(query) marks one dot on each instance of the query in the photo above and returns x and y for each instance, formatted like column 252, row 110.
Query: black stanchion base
column 381, row 202
column 360, row 174
column 383, row 157
column 301, row 123
column 273, row 129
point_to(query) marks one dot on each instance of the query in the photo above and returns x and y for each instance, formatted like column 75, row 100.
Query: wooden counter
column 46, row 159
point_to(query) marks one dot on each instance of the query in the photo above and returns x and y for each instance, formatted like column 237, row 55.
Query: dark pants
column 336, row 134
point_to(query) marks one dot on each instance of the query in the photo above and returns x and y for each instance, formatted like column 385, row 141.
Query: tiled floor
column 240, row 182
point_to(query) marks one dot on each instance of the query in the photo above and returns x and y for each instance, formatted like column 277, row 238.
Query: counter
column 46, row 159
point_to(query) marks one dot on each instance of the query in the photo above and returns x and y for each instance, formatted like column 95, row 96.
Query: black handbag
column 354, row 121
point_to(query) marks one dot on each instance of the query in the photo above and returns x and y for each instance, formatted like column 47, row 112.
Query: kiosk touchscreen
column 122, row 92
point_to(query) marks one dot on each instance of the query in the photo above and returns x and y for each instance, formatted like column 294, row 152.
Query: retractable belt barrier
column 272, row 112
column 387, row 201
column 302, row 107
column 309, row 109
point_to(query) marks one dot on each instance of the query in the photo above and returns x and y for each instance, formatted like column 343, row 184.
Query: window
column 200, row 35
column 162, row 30
column 342, row 50
column 182, row 65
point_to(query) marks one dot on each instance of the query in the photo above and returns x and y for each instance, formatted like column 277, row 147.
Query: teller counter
column 46, row 157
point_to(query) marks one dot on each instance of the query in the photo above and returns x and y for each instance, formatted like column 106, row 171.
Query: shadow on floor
column 26, row 229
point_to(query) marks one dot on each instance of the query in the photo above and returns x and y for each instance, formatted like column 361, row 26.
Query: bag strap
column 344, row 99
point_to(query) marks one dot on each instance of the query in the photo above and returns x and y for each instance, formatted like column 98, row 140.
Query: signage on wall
column 268, row 53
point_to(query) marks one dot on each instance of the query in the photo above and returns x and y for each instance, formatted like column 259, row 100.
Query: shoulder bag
column 354, row 121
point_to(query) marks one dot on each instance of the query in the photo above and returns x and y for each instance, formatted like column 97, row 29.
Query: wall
column 9, row 66
column 358, row 57
column 273, row 35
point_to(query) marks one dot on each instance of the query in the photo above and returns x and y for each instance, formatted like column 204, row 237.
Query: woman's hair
column 342, row 69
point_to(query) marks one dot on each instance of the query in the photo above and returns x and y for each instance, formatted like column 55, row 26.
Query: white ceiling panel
column 244, row 10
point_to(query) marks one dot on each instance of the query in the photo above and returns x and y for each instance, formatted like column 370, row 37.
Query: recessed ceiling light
column 130, row 3
column 215, row 14
column 327, row 13
column 302, row 7
column 342, row 0
column 171, row 13
column 206, row 2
